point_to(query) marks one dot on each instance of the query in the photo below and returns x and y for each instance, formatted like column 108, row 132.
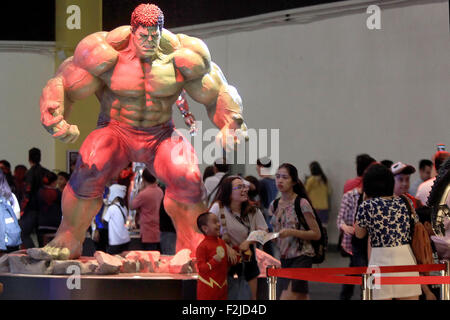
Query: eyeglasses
column 240, row 187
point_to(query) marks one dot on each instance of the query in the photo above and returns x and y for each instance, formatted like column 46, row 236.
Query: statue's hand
column 49, row 116
column 233, row 134
column 66, row 133
column 55, row 124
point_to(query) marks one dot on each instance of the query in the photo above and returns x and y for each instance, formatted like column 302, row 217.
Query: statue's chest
column 133, row 78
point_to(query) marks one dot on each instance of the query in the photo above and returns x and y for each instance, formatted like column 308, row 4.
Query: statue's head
column 147, row 21
column 147, row 15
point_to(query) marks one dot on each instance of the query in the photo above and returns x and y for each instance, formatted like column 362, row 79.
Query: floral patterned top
column 285, row 217
column 387, row 220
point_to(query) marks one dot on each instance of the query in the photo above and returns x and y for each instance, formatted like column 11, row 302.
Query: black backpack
column 320, row 246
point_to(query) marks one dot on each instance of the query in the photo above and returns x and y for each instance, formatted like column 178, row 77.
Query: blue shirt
column 269, row 191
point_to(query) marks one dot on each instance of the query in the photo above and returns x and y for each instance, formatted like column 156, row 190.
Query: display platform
column 132, row 286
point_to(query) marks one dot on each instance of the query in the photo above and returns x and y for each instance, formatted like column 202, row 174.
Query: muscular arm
column 206, row 84
column 76, row 79
column 70, row 84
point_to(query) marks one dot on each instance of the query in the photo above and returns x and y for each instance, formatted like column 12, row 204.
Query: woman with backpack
column 294, row 242
column 10, row 213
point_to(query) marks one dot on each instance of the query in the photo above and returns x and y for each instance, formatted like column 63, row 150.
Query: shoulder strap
column 275, row 204
column 411, row 214
column 223, row 223
column 121, row 211
column 408, row 205
column 218, row 185
column 300, row 216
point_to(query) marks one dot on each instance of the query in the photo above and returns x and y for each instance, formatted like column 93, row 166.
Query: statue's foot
column 64, row 247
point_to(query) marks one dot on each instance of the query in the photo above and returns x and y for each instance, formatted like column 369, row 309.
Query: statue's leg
column 101, row 158
column 176, row 165
column 77, row 216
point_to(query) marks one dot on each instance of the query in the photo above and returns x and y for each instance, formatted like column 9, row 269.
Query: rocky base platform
column 37, row 262
column 137, row 275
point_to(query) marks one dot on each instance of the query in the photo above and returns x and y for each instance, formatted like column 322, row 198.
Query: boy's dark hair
column 202, row 220
column 362, row 162
column 6, row 164
column 147, row 176
column 378, row 181
column 20, row 167
column 49, row 178
column 425, row 163
column 65, row 175
column 34, row 155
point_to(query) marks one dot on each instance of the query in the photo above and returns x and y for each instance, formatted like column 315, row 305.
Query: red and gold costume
column 212, row 275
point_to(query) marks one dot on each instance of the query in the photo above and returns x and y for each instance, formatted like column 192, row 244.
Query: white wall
column 336, row 89
column 23, row 74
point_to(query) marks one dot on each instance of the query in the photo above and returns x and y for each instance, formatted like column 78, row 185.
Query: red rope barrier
column 330, row 279
column 288, row 272
column 339, row 275
column 413, row 280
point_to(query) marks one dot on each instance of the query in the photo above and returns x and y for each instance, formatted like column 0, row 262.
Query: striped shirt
column 347, row 212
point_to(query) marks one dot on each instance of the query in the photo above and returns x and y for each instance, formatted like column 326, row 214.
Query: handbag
column 238, row 287
column 420, row 240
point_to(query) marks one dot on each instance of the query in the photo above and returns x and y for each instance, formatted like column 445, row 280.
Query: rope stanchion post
column 445, row 287
column 366, row 287
column 272, row 284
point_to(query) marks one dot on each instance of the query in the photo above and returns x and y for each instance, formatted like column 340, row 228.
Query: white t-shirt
column 238, row 233
column 117, row 232
column 424, row 190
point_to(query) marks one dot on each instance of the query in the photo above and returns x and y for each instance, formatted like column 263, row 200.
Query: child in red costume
column 212, row 260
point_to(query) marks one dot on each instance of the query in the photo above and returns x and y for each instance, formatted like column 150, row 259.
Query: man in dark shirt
column 268, row 193
column 33, row 182
column 168, row 233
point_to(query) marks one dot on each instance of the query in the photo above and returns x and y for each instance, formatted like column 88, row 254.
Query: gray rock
column 39, row 254
column 130, row 266
column 108, row 264
column 4, row 264
column 61, row 267
column 23, row 264
column 89, row 267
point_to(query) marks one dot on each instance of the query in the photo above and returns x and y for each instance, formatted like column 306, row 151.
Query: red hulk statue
column 137, row 73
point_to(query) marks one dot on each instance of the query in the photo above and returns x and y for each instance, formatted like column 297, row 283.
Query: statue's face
column 146, row 41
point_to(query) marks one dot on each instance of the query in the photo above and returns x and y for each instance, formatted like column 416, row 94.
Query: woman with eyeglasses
column 294, row 242
column 238, row 218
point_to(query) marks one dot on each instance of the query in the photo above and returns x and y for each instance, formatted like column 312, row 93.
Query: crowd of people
column 376, row 215
column 34, row 193
column 378, row 211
